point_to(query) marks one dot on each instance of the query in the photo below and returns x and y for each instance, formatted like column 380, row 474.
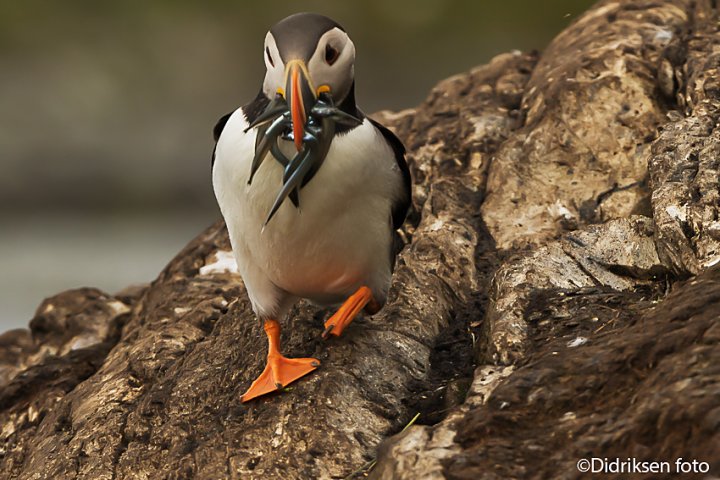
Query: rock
column 67, row 322
column 616, row 256
column 557, row 298
column 685, row 166
column 421, row 451
column 645, row 385
column 590, row 108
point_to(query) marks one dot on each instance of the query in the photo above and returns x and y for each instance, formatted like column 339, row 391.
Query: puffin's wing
column 217, row 130
column 251, row 111
column 402, row 204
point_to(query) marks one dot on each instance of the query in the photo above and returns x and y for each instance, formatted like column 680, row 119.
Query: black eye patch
column 331, row 54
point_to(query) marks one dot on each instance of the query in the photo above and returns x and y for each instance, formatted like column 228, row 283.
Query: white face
column 332, row 64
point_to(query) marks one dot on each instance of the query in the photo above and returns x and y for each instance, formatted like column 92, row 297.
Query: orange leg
column 279, row 371
column 347, row 312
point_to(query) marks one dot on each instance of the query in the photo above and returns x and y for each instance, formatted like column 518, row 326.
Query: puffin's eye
column 269, row 57
column 331, row 54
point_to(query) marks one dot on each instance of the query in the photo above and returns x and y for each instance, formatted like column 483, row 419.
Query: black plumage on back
column 402, row 205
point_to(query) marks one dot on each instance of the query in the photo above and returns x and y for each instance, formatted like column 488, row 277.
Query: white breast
column 340, row 237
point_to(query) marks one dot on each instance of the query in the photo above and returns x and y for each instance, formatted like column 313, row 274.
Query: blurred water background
column 107, row 108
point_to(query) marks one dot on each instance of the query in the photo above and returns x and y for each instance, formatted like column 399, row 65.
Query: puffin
column 312, row 191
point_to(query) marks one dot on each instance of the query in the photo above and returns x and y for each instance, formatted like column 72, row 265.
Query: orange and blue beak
column 300, row 97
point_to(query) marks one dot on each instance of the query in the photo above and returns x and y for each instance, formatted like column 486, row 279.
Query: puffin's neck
column 348, row 104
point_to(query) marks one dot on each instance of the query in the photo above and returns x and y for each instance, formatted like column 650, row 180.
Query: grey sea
column 41, row 256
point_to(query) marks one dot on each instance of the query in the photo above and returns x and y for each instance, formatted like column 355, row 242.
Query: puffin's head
column 307, row 54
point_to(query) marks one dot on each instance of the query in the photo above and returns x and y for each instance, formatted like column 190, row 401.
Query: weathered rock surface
column 685, row 162
column 557, row 298
column 618, row 255
column 623, row 376
column 590, row 108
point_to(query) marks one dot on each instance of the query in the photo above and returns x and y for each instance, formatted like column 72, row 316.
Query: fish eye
column 269, row 57
column 331, row 54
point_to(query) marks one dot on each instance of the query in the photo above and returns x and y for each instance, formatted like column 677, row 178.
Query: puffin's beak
column 300, row 96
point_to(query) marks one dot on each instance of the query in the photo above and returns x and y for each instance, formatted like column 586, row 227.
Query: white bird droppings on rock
column 84, row 342
column 712, row 262
column 663, row 36
column 221, row 261
column 677, row 213
column 437, row 225
column 558, row 210
column 118, row 307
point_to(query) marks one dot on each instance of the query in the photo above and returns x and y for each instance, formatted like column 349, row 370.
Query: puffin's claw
column 327, row 331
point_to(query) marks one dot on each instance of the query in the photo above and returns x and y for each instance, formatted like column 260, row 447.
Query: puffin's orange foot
column 279, row 372
column 347, row 312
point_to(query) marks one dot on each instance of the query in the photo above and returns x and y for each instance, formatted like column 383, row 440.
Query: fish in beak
column 300, row 97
